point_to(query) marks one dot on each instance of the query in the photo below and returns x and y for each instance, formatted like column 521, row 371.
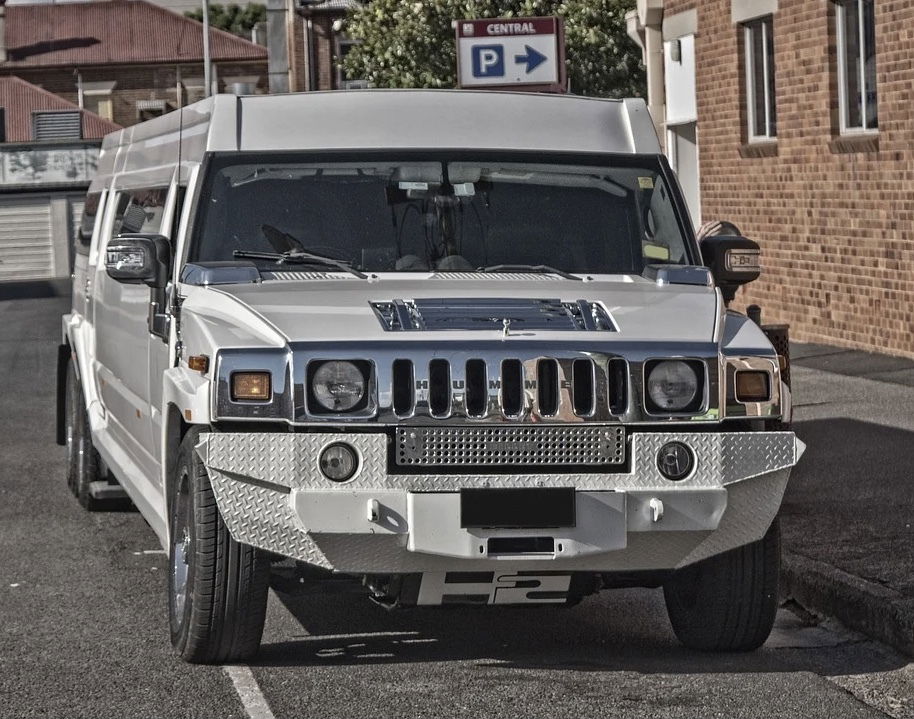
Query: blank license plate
column 517, row 508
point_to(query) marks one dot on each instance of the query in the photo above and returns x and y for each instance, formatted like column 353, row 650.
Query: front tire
column 727, row 602
column 83, row 466
column 217, row 587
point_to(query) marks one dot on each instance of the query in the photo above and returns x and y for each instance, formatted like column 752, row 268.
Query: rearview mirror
column 733, row 260
column 138, row 259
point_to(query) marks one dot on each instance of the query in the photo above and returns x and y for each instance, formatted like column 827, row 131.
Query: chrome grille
column 579, row 445
column 561, row 389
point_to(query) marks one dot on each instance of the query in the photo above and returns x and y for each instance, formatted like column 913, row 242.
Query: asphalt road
column 83, row 628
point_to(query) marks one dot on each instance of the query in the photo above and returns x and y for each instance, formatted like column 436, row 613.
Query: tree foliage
column 411, row 44
column 232, row 18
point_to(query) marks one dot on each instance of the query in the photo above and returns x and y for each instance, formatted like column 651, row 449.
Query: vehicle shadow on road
column 620, row 630
column 850, row 500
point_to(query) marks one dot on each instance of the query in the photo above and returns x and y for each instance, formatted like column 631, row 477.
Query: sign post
column 511, row 54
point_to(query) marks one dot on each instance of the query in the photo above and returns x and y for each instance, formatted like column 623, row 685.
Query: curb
column 874, row 610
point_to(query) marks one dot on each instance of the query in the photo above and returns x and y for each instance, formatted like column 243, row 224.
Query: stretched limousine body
column 463, row 345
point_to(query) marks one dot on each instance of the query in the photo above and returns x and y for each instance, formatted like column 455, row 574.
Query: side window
column 139, row 211
column 83, row 238
column 662, row 235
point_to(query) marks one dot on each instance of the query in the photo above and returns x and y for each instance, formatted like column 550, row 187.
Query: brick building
column 124, row 60
column 307, row 41
column 71, row 73
column 792, row 119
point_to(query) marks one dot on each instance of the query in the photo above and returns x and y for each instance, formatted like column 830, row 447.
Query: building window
column 194, row 90
column 343, row 81
column 856, row 30
column 65, row 125
column 96, row 97
column 758, row 49
column 148, row 109
column 2, row 124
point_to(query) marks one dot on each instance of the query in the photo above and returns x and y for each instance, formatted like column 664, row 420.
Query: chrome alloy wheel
column 182, row 547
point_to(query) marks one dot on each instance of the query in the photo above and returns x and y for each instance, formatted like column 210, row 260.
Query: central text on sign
column 511, row 28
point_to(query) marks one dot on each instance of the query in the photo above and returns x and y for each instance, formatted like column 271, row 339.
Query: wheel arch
column 185, row 405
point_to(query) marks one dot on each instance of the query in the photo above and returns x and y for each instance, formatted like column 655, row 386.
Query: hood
column 341, row 309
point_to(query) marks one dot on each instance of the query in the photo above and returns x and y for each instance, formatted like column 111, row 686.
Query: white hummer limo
column 462, row 345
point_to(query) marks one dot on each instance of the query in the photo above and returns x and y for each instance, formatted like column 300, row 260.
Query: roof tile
column 107, row 32
column 20, row 99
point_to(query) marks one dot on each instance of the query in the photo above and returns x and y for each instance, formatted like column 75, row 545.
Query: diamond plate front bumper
column 272, row 495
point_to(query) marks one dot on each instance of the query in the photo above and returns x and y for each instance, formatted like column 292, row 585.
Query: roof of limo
column 384, row 119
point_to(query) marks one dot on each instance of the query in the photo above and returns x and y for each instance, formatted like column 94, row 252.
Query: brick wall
column 835, row 219
column 138, row 82
column 324, row 51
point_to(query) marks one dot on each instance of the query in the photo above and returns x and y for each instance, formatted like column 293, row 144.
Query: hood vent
column 506, row 315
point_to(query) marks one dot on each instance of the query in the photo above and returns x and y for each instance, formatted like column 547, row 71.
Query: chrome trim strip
column 289, row 370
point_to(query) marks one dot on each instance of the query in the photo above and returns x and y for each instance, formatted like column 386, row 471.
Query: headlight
column 338, row 386
column 672, row 385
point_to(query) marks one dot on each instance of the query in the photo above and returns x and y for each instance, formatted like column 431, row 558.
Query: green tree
column 232, row 18
column 411, row 44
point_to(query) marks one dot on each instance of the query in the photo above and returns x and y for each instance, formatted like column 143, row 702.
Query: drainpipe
column 2, row 30
column 277, row 46
column 306, row 11
column 207, row 63
column 650, row 19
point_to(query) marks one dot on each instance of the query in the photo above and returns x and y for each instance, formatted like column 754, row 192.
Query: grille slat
column 578, row 445
column 512, row 387
column 404, row 395
column 582, row 382
column 476, row 389
column 547, row 379
column 439, row 387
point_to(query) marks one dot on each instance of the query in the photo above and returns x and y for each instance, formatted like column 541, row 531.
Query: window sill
column 844, row 144
column 759, row 149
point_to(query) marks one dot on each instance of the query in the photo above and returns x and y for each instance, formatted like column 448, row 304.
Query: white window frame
column 763, row 25
column 341, row 42
column 103, row 91
column 843, row 109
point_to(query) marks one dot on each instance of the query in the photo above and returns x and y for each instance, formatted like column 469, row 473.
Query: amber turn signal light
column 198, row 363
column 251, row 386
column 753, row 386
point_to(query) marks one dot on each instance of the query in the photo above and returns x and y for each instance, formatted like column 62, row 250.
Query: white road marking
column 363, row 635
column 255, row 703
column 150, row 551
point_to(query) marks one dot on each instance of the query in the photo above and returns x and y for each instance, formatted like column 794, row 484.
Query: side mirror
column 733, row 260
column 139, row 259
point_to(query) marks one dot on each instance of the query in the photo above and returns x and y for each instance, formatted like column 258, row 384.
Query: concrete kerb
column 874, row 610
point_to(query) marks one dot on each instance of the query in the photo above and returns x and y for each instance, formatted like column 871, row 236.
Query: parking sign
column 511, row 53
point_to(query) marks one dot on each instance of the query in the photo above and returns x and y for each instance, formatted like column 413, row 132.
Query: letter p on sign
column 488, row 61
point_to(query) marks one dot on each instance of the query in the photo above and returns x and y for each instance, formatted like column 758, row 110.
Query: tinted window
column 87, row 223
column 139, row 211
column 445, row 216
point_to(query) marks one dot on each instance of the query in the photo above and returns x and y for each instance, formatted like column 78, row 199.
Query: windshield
column 386, row 216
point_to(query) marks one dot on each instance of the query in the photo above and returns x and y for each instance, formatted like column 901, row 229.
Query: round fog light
column 338, row 462
column 675, row 461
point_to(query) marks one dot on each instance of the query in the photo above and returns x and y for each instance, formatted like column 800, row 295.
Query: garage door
column 25, row 238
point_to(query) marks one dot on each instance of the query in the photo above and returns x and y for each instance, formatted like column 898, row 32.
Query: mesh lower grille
column 507, row 446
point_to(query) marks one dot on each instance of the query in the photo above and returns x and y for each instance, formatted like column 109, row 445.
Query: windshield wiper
column 300, row 257
column 542, row 269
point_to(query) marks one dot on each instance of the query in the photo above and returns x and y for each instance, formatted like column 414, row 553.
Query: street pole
column 207, row 70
